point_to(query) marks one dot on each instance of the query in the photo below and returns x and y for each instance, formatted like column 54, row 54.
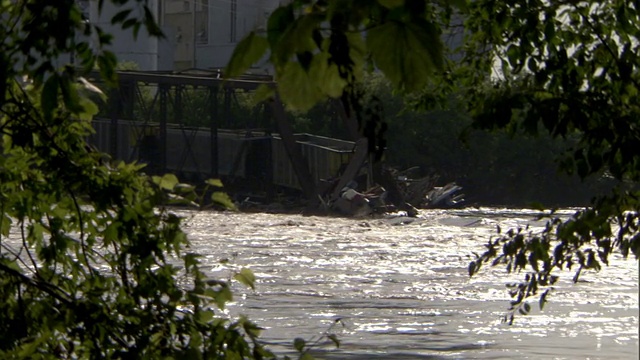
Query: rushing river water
column 402, row 290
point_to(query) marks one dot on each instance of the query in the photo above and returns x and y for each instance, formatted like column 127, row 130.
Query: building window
column 233, row 21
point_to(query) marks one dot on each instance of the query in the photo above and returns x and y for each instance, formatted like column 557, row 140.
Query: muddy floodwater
column 402, row 291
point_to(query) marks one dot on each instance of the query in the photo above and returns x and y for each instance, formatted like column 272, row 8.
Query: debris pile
column 397, row 191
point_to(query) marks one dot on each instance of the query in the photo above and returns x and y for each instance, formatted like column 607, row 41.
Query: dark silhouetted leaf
column 299, row 344
column 49, row 98
column 248, row 52
column 408, row 54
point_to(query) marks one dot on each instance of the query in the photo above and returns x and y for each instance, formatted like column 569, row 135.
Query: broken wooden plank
column 352, row 168
column 300, row 165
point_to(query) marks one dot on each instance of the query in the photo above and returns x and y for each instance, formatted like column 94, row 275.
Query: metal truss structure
column 179, row 122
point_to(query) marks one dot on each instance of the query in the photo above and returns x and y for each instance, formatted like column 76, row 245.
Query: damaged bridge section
column 197, row 125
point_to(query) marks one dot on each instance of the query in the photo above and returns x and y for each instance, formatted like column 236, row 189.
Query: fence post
column 164, row 89
column 213, row 129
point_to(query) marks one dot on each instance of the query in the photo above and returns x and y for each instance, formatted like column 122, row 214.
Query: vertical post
column 178, row 120
column 129, row 88
column 177, row 105
column 213, row 129
column 300, row 165
column 164, row 89
column 227, row 109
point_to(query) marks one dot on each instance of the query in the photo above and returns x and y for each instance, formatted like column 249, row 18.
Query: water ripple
column 403, row 291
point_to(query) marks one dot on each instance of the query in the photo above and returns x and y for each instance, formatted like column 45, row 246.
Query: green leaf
column 221, row 296
column 223, row 199
column 299, row 344
column 89, row 109
column 278, row 23
column 191, row 260
column 296, row 89
column 246, row 277
column 186, row 189
column 107, row 63
column 300, row 34
column 111, row 232
column 120, row 16
column 167, row 181
column 36, row 232
column 150, row 23
column 264, row 92
column 513, row 54
column 11, row 264
column 407, row 53
column 251, row 328
column 5, row 225
column 205, row 316
column 214, row 182
column 249, row 51
column 49, row 96
column 326, row 75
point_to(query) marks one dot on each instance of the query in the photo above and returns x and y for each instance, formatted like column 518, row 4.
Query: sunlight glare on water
column 402, row 289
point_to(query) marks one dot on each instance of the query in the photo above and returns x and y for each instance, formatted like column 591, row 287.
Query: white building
column 205, row 32
column 199, row 33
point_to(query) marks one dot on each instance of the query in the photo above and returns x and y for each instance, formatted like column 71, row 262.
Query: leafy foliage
column 304, row 347
column 321, row 48
column 494, row 168
column 571, row 69
column 92, row 263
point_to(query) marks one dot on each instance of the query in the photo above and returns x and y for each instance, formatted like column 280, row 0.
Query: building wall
column 214, row 27
column 148, row 52
column 199, row 33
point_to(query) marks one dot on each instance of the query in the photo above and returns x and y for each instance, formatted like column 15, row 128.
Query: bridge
column 198, row 125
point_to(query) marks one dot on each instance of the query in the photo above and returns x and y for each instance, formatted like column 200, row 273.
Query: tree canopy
column 320, row 48
column 569, row 68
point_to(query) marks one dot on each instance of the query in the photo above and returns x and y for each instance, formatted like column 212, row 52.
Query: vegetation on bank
column 495, row 168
